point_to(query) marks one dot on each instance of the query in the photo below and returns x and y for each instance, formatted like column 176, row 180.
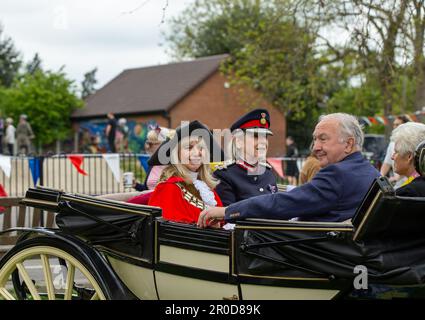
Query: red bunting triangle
column 373, row 120
column 276, row 163
column 3, row 193
column 77, row 161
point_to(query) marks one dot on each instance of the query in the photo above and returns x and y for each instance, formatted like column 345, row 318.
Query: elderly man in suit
column 332, row 195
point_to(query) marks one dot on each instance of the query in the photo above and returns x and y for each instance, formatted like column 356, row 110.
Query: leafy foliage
column 210, row 27
column 34, row 65
column 10, row 60
column 47, row 98
column 88, row 84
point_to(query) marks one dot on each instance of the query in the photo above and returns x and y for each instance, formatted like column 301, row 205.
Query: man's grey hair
column 407, row 136
column 349, row 125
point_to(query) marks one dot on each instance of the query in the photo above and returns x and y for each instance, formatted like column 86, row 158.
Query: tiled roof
column 149, row 89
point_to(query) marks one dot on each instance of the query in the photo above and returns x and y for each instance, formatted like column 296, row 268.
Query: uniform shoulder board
column 228, row 163
column 221, row 165
column 265, row 164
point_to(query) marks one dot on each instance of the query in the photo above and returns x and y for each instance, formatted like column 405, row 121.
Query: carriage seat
column 382, row 214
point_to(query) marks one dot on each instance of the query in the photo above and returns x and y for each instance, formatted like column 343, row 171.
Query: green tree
column 88, row 84
column 387, row 39
column 10, row 60
column 34, row 65
column 48, row 98
column 210, row 27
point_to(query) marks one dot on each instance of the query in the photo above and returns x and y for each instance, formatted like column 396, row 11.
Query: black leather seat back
column 384, row 215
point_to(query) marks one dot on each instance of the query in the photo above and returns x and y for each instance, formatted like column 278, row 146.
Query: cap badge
column 263, row 118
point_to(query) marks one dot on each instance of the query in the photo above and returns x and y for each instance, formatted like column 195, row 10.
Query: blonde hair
column 180, row 170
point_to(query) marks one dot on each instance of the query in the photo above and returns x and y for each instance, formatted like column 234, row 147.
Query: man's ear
column 350, row 145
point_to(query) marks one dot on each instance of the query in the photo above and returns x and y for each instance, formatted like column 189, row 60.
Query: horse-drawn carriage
column 106, row 249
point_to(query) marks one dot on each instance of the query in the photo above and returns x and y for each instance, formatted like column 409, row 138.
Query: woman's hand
column 211, row 216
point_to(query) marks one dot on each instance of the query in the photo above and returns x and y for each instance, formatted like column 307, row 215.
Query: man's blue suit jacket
column 332, row 195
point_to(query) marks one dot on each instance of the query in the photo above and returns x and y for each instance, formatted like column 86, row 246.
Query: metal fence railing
column 58, row 172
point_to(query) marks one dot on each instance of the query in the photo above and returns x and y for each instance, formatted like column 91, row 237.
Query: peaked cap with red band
column 257, row 120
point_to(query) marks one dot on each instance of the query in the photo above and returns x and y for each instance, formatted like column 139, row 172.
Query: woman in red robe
column 186, row 185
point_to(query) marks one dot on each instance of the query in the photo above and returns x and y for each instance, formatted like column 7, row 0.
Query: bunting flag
column 382, row 120
column 386, row 120
column 113, row 161
column 3, row 193
column 143, row 159
column 366, row 120
column 372, row 120
column 276, row 163
column 6, row 165
column 34, row 164
column 77, row 161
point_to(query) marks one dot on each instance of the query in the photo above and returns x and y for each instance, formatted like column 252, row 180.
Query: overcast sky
column 111, row 35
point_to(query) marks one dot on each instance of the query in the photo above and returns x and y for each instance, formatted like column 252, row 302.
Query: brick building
column 175, row 92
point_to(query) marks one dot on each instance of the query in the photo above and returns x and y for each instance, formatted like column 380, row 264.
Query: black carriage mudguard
column 113, row 287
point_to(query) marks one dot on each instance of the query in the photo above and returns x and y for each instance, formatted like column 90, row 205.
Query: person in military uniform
column 248, row 174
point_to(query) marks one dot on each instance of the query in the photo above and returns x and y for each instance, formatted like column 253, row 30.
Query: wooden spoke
column 25, row 276
column 95, row 296
column 69, row 281
column 48, row 277
column 6, row 294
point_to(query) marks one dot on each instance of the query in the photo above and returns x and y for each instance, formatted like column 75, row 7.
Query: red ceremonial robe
column 169, row 197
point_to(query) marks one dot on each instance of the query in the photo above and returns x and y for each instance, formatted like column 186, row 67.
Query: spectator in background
column 388, row 161
column 85, row 140
column 94, row 145
column 155, row 137
column 291, row 168
column 310, row 167
column 111, row 131
column 10, row 136
column 122, row 135
column 24, row 135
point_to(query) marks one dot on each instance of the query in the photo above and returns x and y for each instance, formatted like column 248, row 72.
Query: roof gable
column 149, row 89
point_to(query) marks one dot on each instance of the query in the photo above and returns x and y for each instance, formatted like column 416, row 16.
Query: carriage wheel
column 36, row 271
